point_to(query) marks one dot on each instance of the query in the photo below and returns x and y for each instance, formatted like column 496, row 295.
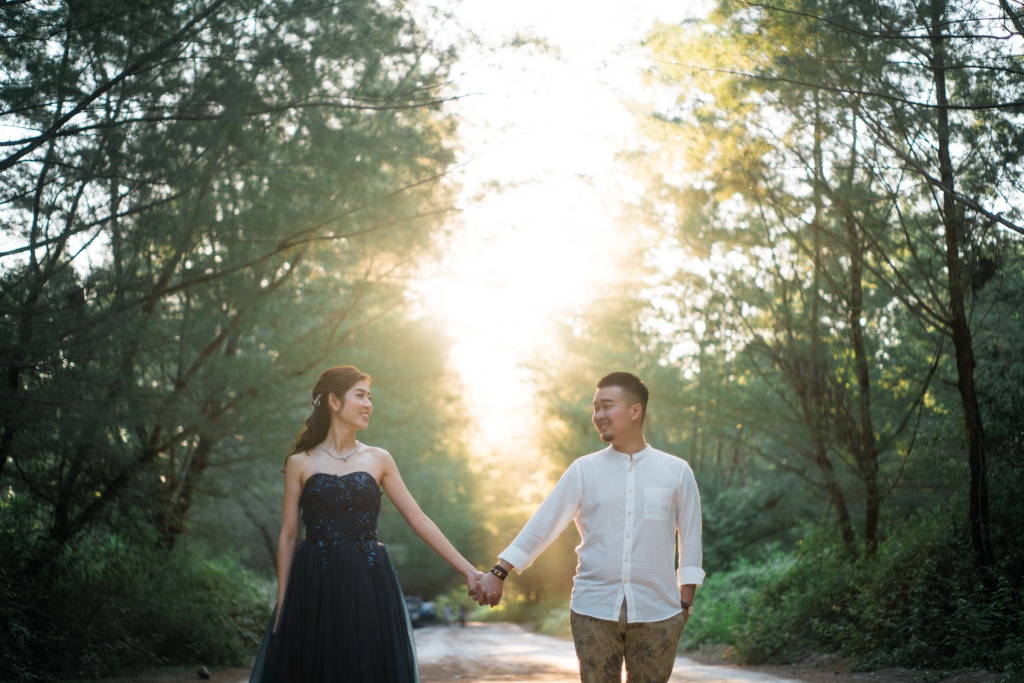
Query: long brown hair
column 337, row 380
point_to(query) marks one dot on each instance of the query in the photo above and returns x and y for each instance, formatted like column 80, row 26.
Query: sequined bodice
column 341, row 507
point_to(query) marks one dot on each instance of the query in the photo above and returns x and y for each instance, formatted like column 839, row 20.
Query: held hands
column 473, row 581
column 489, row 590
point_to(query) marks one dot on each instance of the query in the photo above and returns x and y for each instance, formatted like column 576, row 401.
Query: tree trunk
column 865, row 449
column 173, row 510
column 863, row 430
column 818, row 406
column 960, row 330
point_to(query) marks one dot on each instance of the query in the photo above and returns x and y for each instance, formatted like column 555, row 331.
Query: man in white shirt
column 629, row 501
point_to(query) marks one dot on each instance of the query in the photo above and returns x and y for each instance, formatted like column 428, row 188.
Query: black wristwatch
column 687, row 607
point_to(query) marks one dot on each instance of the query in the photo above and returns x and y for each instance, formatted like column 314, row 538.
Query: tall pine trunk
column 959, row 325
column 819, row 403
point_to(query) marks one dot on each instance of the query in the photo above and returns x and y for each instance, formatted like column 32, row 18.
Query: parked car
column 428, row 612
column 415, row 606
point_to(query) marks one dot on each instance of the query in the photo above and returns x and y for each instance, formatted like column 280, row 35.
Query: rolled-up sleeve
column 688, row 526
column 557, row 510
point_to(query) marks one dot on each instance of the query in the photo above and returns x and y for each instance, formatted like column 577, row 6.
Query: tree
column 208, row 199
column 874, row 66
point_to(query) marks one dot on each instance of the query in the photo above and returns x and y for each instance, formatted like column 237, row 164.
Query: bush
column 723, row 602
column 933, row 605
column 919, row 603
column 811, row 605
column 105, row 606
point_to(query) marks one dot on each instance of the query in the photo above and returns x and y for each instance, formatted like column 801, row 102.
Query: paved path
column 485, row 653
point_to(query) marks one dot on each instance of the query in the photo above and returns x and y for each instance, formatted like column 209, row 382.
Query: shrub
column 106, row 606
column 724, row 601
column 920, row 602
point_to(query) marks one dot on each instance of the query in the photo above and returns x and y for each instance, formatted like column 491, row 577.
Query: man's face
column 614, row 413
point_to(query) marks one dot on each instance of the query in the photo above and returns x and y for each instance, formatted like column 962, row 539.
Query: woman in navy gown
column 340, row 612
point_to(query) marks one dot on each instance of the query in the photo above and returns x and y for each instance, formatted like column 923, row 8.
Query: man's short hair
column 631, row 385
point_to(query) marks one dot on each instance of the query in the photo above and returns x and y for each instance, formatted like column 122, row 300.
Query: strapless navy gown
column 344, row 618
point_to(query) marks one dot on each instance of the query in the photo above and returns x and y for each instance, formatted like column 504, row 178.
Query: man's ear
column 637, row 411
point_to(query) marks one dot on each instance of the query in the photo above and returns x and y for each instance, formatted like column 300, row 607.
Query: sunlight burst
column 521, row 262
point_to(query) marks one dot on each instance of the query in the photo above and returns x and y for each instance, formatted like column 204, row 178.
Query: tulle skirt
column 344, row 620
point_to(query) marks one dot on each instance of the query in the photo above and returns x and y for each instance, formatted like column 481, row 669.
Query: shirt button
column 629, row 514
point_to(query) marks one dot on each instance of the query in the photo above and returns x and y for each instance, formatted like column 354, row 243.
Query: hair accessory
column 316, row 401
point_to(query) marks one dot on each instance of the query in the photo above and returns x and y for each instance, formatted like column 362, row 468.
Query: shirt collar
column 636, row 456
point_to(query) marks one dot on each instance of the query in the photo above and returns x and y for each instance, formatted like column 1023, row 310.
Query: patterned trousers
column 648, row 648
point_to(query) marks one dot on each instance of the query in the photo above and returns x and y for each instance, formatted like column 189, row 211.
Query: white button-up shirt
column 628, row 511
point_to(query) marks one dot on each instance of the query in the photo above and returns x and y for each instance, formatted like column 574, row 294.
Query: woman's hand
column 473, row 581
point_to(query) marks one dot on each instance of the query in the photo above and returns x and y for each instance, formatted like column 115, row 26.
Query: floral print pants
column 648, row 648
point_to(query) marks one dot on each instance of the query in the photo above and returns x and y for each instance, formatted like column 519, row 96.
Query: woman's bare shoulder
column 375, row 451
column 297, row 463
column 379, row 455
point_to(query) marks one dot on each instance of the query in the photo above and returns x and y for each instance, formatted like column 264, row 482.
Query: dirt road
column 488, row 653
column 482, row 653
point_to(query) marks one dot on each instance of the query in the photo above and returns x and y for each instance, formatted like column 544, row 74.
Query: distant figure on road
column 630, row 501
column 462, row 615
column 340, row 612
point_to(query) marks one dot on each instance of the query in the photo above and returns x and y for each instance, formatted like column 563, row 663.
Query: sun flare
column 544, row 120
column 519, row 263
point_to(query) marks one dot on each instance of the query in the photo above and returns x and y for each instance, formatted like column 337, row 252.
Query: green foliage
column 825, row 279
column 205, row 204
column 780, row 585
column 812, row 602
column 918, row 603
column 108, row 605
column 257, row 184
column 792, row 306
column 725, row 598
column 749, row 520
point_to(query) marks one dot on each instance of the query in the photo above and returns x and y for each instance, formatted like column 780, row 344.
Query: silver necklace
column 343, row 458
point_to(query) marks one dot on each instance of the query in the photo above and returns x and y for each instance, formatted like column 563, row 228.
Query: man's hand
column 489, row 590
column 687, row 594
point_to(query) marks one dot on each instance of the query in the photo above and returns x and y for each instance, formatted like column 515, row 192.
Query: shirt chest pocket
column 657, row 503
